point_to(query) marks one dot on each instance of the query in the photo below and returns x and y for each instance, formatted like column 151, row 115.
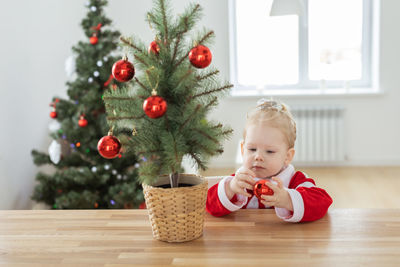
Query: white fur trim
column 305, row 184
column 242, row 200
column 253, row 203
column 298, row 208
column 282, row 213
column 286, row 175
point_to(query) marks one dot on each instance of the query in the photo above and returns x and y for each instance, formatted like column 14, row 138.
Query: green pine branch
column 208, row 92
column 80, row 179
column 190, row 94
column 131, row 44
column 206, row 76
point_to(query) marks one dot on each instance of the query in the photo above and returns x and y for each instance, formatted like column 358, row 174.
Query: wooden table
column 344, row 237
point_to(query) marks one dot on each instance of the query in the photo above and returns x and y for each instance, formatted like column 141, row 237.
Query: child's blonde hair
column 277, row 115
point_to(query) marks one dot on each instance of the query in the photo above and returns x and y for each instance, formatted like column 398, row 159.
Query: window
column 328, row 47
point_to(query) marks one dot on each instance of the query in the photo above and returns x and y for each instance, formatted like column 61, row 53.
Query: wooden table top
column 344, row 237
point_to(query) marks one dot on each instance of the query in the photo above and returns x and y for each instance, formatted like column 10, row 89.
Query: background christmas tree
column 83, row 179
column 168, row 100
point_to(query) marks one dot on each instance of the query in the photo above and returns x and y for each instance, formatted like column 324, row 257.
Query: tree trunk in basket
column 174, row 179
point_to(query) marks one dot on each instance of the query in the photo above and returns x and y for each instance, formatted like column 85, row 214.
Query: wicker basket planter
column 177, row 214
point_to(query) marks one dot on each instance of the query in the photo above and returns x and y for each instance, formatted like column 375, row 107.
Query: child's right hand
column 243, row 179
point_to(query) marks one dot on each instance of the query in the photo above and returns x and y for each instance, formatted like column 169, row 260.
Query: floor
column 351, row 187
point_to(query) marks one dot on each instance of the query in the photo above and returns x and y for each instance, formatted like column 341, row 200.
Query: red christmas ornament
column 154, row 48
column 53, row 114
column 123, row 70
column 200, row 56
column 109, row 146
column 260, row 188
column 93, row 40
column 155, row 106
column 143, row 206
column 82, row 122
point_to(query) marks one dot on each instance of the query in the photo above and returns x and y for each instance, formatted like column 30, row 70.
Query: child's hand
column 280, row 198
column 244, row 179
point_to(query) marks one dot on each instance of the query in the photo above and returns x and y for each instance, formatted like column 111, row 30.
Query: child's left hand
column 280, row 198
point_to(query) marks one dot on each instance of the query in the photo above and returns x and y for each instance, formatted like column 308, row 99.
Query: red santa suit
column 309, row 202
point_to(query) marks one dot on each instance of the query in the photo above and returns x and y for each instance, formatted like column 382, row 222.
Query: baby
column 267, row 150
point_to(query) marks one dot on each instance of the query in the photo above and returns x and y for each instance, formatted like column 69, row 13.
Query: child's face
column 265, row 151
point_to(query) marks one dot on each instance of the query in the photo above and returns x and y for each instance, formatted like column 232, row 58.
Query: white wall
column 37, row 36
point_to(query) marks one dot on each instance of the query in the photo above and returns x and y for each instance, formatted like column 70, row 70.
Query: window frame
column 369, row 77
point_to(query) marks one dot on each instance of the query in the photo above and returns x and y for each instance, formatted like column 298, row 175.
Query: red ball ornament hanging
column 200, row 56
column 82, row 122
column 94, row 40
column 260, row 188
column 109, row 146
column 123, row 70
column 143, row 206
column 154, row 48
column 53, row 114
column 155, row 106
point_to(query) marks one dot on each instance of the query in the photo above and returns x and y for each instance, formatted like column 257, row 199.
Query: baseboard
column 372, row 162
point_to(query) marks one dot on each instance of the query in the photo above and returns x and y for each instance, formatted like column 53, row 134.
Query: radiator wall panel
column 319, row 134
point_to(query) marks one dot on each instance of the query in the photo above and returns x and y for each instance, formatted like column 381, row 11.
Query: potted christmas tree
column 82, row 178
column 165, row 106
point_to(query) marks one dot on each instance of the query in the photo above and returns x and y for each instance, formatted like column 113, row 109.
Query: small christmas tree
column 83, row 179
column 168, row 101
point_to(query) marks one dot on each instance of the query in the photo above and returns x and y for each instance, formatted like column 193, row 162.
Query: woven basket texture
column 177, row 214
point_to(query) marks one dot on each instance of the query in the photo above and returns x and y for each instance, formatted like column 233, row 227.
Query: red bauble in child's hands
column 260, row 188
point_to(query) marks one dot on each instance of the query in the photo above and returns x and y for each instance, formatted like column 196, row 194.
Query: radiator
column 320, row 134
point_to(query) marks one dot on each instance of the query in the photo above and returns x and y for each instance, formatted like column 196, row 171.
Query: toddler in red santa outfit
column 267, row 150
